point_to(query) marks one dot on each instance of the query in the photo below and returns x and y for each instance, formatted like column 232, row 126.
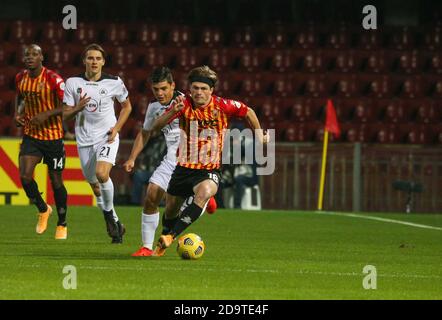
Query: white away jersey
column 93, row 123
column 171, row 131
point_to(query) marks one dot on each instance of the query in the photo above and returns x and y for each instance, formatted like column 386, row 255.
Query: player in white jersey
column 90, row 98
column 163, row 88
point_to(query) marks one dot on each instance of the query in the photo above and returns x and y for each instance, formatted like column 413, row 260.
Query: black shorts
column 52, row 151
column 184, row 179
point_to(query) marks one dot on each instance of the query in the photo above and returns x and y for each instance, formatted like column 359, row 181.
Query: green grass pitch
column 249, row 255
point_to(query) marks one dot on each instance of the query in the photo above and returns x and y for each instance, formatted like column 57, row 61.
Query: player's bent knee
column 102, row 176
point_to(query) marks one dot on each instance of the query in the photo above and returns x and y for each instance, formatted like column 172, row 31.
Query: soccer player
column 38, row 110
column 203, row 119
column 163, row 88
column 90, row 98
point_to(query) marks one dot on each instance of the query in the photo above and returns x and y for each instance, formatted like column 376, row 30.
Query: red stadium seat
column 53, row 34
column 356, row 133
column 314, row 86
column 59, row 57
column 433, row 38
column 306, row 38
column 401, row 38
column 243, row 38
column 312, row 61
column 339, row 39
column 393, row 111
column 86, row 33
column 298, row 132
column 23, row 32
column 187, row 59
column 376, row 86
column 344, row 61
column 300, row 110
column 410, row 87
column 123, row 57
column 369, row 39
column 425, row 111
column 148, row 35
column 116, row 34
column 7, row 102
column 211, row 38
column 248, row 85
column 278, row 85
column 415, row 134
column 405, row 62
column 220, row 59
column 276, row 39
column 342, row 85
column 387, row 134
column 434, row 63
column 180, row 36
column 250, row 60
column 281, row 61
column 153, row 57
column 374, row 62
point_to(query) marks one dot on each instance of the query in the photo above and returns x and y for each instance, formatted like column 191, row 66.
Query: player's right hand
column 129, row 165
column 178, row 104
column 19, row 120
column 83, row 101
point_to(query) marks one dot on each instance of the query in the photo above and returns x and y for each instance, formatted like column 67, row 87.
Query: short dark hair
column 94, row 46
column 161, row 74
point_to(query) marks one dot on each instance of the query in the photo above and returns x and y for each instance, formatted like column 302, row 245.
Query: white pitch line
column 417, row 225
column 301, row 272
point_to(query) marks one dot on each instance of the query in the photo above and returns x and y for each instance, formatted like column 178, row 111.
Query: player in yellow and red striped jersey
column 203, row 119
column 39, row 110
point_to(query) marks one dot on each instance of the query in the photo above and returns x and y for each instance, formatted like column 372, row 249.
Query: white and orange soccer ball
column 190, row 246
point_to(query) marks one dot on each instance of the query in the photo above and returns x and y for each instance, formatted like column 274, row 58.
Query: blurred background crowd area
column 283, row 58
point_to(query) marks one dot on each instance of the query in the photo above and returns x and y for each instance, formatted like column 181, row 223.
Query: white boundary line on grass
column 192, row 268
column 417, row 225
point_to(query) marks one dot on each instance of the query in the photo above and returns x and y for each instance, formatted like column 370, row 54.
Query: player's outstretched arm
column 71, row 111
column 140, row 141
column 176, row 106
column 253, row 121
column 126, row 109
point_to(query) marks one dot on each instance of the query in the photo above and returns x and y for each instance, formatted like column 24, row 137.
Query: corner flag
column 331, row 125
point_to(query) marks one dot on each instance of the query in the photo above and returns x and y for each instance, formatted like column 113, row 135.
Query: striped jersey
column 203, row 130
column 40, row 94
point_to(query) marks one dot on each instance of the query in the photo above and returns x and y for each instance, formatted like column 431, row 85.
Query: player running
column 90, row 98
column 163, row 88
column 40, row 91
column 203, row 119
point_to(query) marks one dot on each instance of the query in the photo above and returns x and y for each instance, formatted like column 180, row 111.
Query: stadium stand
column 386, row 86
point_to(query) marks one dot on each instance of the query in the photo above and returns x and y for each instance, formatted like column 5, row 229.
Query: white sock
column 99, row 202
column 107, row 193
column 149, row 223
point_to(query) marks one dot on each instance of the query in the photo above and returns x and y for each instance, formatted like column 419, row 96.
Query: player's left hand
column 112, row 133
column 39, row 119
column 264, row 138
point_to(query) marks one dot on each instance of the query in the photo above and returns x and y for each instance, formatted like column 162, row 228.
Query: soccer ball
column 190, row 246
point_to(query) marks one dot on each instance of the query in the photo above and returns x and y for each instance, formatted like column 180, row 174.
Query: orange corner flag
column 331, row 122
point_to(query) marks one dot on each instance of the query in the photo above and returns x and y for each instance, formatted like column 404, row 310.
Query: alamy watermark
column 70, row 280
column 370, row 280
column 236, row 147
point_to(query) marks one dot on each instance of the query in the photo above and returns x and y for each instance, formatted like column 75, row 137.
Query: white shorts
column 90, row 155
column 162, row 174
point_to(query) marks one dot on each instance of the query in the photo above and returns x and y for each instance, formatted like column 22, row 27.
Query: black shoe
column 121, row 232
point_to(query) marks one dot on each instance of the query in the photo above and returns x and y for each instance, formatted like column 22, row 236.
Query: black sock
column 187, row 217
column 61, row 198
column 168, row 224
column 34, row 195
